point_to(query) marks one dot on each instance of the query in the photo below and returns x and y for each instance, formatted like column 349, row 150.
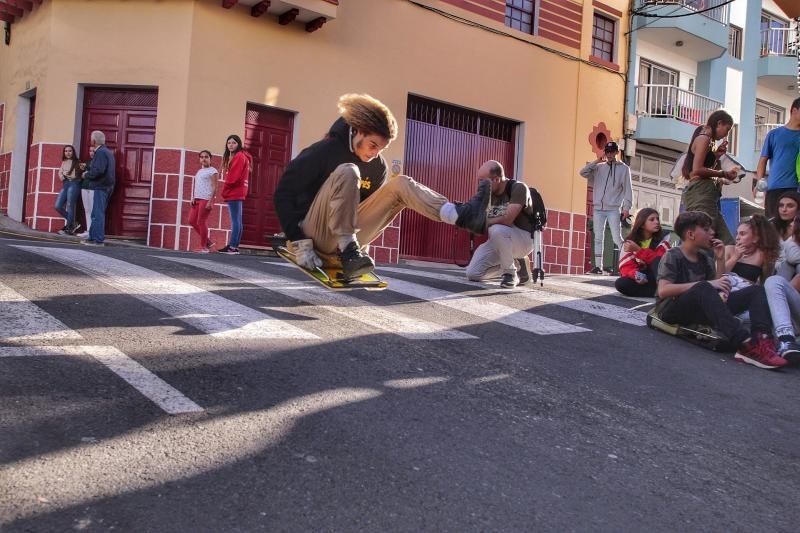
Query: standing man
column 612, row 198
column 335, row 197
column 781, row 147
column 100, row 178
column 510, row 231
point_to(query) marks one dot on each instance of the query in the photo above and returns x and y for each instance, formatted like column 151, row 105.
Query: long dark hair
column 687, row 161
column 778, row 223
column 637, row 231
column 767, row 242
column 227, row 155
column 74, row 158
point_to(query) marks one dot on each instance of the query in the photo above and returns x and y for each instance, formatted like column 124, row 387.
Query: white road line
column 601, row 309
column 21, row 320
column 151, row 386
column 199, row 308
column 502, row 314
column 335, row 302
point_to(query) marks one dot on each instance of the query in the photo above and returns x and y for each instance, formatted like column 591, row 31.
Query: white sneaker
column 84, row 235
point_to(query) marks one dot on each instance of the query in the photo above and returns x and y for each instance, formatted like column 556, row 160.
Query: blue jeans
column 97, row 231
column 70, row 191
column 600, row 216
column 235, row 208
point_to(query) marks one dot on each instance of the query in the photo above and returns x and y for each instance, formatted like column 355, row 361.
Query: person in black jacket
column 100, row 178
column 335, row 195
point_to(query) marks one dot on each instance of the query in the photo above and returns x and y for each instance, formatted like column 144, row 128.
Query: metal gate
column 445, row 145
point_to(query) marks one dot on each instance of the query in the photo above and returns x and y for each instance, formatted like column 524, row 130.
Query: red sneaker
column 760, row 353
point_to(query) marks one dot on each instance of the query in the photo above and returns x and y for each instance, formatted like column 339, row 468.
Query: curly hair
column 766, row 242
column 368, row 115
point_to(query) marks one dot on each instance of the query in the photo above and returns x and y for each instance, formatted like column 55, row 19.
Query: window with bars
column 603, row 38
column 520, row 15
column 735, row 41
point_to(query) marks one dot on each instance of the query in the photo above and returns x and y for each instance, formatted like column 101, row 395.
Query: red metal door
column 127, row 117
column 445, row 145
column 268, row 138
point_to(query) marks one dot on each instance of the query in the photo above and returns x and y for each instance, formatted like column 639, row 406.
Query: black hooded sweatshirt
column 306, row 173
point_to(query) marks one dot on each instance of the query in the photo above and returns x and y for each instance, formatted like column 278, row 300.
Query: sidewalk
column 14, row 228
column 9, row 226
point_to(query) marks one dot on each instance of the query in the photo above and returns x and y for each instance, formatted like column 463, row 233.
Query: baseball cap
column 611, row 147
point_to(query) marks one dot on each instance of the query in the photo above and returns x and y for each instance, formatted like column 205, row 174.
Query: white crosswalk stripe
column 502, row 314
column 151, row 386
column 22, row 320
column 199, row 308
column 601, row 309
column 334, row 302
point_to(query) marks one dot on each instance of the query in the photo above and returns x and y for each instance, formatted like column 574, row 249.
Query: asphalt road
column 434, row 405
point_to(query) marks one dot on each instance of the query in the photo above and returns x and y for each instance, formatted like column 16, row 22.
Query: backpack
column 537, row 213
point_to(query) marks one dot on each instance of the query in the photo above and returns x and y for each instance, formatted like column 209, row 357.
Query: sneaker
column 73, row 229
column 609, row 271
column 84, row 235
column 90, row 242
column 472, row 214
column 760, row 353
column 509, row 281
column 523, row 273
column 203, row 251
column 596, row 270
column 64, row 230
column 355, row 262
column 790, row 351
column 230, row 250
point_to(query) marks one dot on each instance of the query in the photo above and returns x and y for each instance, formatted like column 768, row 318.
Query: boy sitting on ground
column 692, row 290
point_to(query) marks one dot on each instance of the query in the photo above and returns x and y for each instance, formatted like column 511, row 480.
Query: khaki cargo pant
column 336, row 210
column 703, row 195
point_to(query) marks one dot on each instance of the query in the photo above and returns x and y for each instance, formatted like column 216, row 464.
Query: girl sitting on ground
column 788, row 207
column 753, row 257
column 642, row 250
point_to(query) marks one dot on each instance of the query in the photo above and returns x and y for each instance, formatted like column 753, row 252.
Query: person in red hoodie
column 236, row 165
column 642, row 250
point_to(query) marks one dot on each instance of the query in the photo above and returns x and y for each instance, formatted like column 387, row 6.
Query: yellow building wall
column 208, row 62
column 64, row 43
column 389, row 49
column 23, row 65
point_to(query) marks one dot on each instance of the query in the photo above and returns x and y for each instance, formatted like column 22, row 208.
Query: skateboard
column 701, row 335
column 332, row 277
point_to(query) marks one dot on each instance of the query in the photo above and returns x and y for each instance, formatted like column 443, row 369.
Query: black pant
column 702, row 305
column 771, row 201
column 628, row 287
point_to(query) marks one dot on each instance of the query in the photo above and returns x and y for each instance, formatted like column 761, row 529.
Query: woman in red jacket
column 642, row 250
column 236, row 173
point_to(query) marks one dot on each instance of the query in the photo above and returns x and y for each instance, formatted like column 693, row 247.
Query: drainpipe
column 628, row 73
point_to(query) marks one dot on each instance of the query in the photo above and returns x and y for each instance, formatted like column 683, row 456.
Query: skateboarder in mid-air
column 335, row 197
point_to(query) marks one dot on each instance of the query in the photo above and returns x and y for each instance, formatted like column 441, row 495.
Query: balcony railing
column 761, row 134
column 779, row 42
column 673, row 102
column 720, row 13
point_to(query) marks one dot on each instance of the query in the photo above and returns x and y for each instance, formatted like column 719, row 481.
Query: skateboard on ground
column 701, row 335
column 332, row 277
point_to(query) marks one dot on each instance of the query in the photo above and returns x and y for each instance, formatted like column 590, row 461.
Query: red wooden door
column 28, row 181
column 445, row 145
column 268, row 138
column 127, row 117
